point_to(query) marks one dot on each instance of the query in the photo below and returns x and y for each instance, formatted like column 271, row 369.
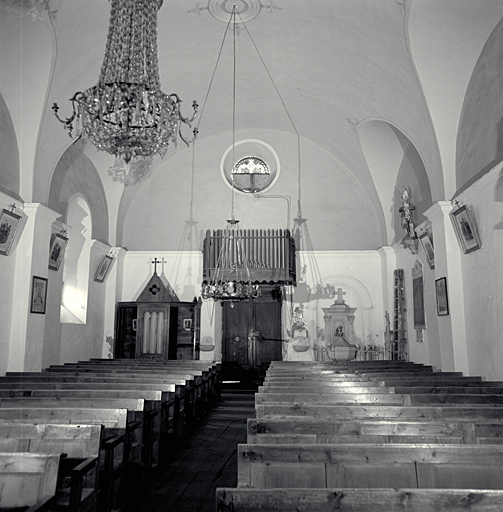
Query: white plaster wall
column 483, row 278
column 7, row 272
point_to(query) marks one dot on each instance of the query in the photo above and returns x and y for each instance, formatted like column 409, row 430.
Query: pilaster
column 32, row 259
column 451, row 327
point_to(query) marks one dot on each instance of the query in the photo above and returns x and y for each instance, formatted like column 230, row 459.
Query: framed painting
column 426, row 239
column 465, row 226
column 103, row 268
column 38, row 295
column 57, row 250
column 9, row 224
column 442, row 299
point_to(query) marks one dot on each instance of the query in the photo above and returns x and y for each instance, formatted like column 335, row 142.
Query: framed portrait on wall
column 103, row 268
column 9, row 224
column 57, row 250
column 442, row 299
column 465, row 226
column 426, row 239
column 38, row 295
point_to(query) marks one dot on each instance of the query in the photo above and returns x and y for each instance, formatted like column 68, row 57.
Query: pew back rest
column 27, row 478
column 76, row 441
column 371, row 466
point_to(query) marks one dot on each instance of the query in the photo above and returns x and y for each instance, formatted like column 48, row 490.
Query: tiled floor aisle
column 206, row 460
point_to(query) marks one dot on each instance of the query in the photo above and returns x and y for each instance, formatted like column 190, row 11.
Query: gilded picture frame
column 465, row 226
column 442, row 298
column 57, row 250
column 426, row 239
column 9, row 225
column 38, row 295
column 103, row 268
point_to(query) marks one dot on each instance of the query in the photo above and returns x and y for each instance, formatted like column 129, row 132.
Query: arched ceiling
column 309, row 73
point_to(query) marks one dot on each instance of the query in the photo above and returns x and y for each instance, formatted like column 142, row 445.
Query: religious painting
column 9, row 224
column 103, row 268
column 465, row 226
column 57, row 250
column 426, row 239
column 38, row 295
column 187, row 324
column 442, row 299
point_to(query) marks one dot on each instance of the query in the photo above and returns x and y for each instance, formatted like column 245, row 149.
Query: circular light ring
column 244, row 149
column 246, row 10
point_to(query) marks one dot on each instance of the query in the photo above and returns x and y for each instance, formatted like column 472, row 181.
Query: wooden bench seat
column 28, row 480
column 307, row 430
column 357, row 500
column 79, row 447
column 370, row 466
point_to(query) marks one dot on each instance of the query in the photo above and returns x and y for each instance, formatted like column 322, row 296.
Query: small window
column 251, row 174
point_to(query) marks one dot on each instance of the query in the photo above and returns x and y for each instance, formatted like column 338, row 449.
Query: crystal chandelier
column 231, row 280
column 126, row 114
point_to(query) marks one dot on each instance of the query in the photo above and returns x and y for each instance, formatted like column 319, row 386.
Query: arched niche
column 76, row 174
column 479, row 144
column 355, row 295
column 394, row 163
column 9, row 163
column 77, row 259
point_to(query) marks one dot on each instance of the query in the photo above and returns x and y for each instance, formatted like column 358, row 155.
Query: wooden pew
column 357, row 500
column 174, row 425
column 206, row 394
column 457, row 388
column 396, row 413
column 370, row 466
column 379, row 398
column 28, row 480
column 192, row 382
column 79, row 447
column 163, row 400
column 117, row 438
column 139, row 414
column 318, row 431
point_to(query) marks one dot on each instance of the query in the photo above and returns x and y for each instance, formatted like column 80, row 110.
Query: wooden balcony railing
column 269, row 254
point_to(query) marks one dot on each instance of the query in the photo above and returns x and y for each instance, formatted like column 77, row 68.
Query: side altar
column 339, row 329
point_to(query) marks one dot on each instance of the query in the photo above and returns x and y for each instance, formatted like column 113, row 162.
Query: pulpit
column 339, row 329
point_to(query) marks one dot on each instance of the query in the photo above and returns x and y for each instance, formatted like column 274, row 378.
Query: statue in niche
column 406, row 211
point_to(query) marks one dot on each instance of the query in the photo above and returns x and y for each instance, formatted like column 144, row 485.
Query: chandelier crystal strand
column 126, row 114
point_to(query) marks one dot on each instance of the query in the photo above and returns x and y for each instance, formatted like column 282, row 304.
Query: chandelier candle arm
column 126, row 114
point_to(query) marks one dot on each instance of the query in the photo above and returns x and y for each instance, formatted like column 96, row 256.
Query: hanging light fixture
column 231, row 280
column 126, row 114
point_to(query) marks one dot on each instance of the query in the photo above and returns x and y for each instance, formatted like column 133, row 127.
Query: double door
column 252, row 332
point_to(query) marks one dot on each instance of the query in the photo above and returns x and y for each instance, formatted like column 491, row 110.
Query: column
column 452, row 332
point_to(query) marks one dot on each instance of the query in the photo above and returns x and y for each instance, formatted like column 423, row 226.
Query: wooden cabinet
column 157, row 330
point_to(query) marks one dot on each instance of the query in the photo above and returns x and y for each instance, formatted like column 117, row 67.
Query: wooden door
column 252, row 332
column 125, row 330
